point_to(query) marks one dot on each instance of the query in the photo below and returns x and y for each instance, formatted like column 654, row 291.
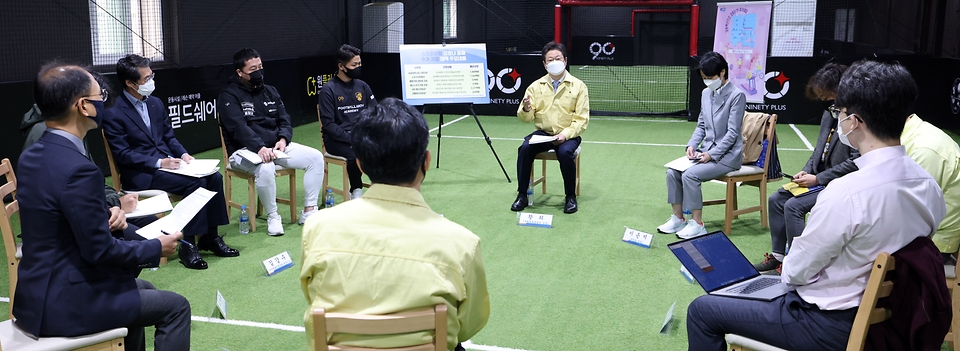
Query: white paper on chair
column 151, row 206
column 185, row 210
column 681, row 164
column 255, row 158
column 196, row 168
column 540, row 139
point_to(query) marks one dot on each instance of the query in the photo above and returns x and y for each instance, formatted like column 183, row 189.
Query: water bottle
column 244, row 220
column 328, row 201
column 530, row 194
column 687, row 212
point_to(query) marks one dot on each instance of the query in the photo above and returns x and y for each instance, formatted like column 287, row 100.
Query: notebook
column 721, row 269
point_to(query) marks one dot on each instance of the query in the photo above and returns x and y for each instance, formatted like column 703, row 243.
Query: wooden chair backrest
column 6, row 224
column 114, row 175
column 223, row 147
column 868, row 313
column 431, row 319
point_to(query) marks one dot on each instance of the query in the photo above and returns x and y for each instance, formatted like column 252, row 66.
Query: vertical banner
column 741, row 37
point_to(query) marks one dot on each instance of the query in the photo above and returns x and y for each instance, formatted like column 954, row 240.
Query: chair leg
column 228, row 192
column 730, row 206
column 326, row 179
column 252, row 199
column 577, row 162
column 763, row 202
column 293, row 197
column 346, row 184
column 543, row 172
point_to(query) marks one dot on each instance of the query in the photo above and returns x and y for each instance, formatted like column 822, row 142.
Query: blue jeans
column 787, row 322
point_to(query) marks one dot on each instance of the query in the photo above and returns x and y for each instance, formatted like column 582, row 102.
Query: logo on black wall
column 780, row 79
column 955, row 97
column 607, row 49
column 497, row 80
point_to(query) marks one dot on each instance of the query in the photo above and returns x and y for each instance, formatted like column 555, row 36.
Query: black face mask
column 256, row 77
column 826, row 104
column 353, row 73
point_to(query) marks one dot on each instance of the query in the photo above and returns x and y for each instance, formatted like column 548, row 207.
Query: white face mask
column 713, row 84
column 147, row 88
column 556, row 67
column 842, row 135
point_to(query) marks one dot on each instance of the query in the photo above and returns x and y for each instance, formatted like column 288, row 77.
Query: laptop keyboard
column 756, row 285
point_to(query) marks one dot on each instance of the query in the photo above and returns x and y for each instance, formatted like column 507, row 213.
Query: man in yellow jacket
column 559, row 107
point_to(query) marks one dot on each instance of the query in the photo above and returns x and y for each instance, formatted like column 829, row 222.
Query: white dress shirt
column 881, row 207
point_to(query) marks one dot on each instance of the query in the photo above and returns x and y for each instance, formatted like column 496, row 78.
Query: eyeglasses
column 104, row 94
column 834, row 111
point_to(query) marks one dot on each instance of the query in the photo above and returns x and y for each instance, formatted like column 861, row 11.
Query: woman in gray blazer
column 716, row 146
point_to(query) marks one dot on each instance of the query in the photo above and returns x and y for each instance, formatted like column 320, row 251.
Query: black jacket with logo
column 341, row 104
column 252, row 117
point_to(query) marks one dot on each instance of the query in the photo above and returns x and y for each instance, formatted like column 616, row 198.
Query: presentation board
column 444, row 74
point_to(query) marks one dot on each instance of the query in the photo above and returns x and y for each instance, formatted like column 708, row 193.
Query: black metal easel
column 485, row 137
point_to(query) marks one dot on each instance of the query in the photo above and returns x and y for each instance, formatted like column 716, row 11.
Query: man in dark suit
column 830, row 160
column 75, row 278
column 142, row 142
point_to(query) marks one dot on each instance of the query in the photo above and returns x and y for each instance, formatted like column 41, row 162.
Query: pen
column 786, row 175
column 181, row 240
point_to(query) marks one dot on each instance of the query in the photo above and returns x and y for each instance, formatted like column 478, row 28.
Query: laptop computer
column 721, row 269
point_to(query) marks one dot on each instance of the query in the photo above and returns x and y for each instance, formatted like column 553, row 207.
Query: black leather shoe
column 570, row 206
column 521, row 202
column 190, row 257
column 217, row 246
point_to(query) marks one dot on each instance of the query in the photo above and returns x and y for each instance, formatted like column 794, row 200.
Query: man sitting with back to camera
column 388, row 252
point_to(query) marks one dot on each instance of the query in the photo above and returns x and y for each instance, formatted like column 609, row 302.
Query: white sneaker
column 356, row 193
column 274, row 225
column 692, row 230
column 673, row 225
column 304, row 215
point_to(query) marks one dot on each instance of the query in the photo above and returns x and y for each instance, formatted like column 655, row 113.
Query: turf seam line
column 596, row 142
column 802, row 138
column 452, row 122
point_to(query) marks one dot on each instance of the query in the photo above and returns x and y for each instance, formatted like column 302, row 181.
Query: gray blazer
column 839, row 160
column 719, row 131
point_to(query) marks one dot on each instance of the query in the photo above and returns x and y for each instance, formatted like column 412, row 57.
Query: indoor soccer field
column 575, row 286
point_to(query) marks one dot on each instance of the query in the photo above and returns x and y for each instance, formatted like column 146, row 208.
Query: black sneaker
column 769, row 263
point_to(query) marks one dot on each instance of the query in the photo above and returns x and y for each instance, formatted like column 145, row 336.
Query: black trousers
column 344, row 150
column 565, row 155
column 212, row 215
column 168, row 312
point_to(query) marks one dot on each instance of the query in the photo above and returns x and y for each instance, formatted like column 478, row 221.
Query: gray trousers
column 684, row 187
column 166, row 310
column 301, row 157
column 787, row 217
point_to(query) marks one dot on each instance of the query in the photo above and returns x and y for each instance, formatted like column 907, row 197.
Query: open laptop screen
column 713, row 260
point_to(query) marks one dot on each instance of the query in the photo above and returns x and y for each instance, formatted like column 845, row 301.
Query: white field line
column 295, row 328
column 596, row 142
column 802, row 138
column 455, row 121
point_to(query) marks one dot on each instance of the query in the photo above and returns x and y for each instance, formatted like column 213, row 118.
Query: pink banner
column 742, row 33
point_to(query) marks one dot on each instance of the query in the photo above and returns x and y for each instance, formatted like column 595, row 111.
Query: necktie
column 556, row 84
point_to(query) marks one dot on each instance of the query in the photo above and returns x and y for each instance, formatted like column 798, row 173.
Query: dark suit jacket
column 74, row 278
column 839, row 160
column 136, row 149
column 719, row 127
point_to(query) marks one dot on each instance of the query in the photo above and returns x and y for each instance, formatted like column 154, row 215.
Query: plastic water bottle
column 687, row 212
column 244, row 220
column 530, row 194
column 328, row 201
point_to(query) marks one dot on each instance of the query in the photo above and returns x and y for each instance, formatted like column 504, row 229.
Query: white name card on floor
column 278, row 263
column 686, row 274
column 536, row 220
column 636, row 237
column 668, row 321
column 221, row 311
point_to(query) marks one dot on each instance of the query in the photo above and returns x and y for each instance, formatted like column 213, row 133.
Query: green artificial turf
column 575, row 286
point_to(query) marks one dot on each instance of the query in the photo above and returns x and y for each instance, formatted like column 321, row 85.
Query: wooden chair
column 329, row 159
column 434, row 319
column 548, row 156
column 748, row 175
column 6, row 226
column 867, row 314
column 115, row 175
column 953, row 336
column 252, row 188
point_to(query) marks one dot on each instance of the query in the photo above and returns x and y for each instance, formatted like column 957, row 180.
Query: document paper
column 681, row 164
column 177, row 219
column 151, row 206
column 539, row 139
column 255, row 158
column 196, row 168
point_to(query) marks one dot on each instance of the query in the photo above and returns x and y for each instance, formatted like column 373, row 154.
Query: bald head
column 58, row 87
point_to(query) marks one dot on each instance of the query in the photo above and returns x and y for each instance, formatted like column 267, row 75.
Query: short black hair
column 553, row 46
column 241, row 57
column 881, row 94
column 711, row 63
column 57, row 87
column 104, row 85
column 825, row 80
column 346, row 53
column 128, row 68
column 390, row 141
